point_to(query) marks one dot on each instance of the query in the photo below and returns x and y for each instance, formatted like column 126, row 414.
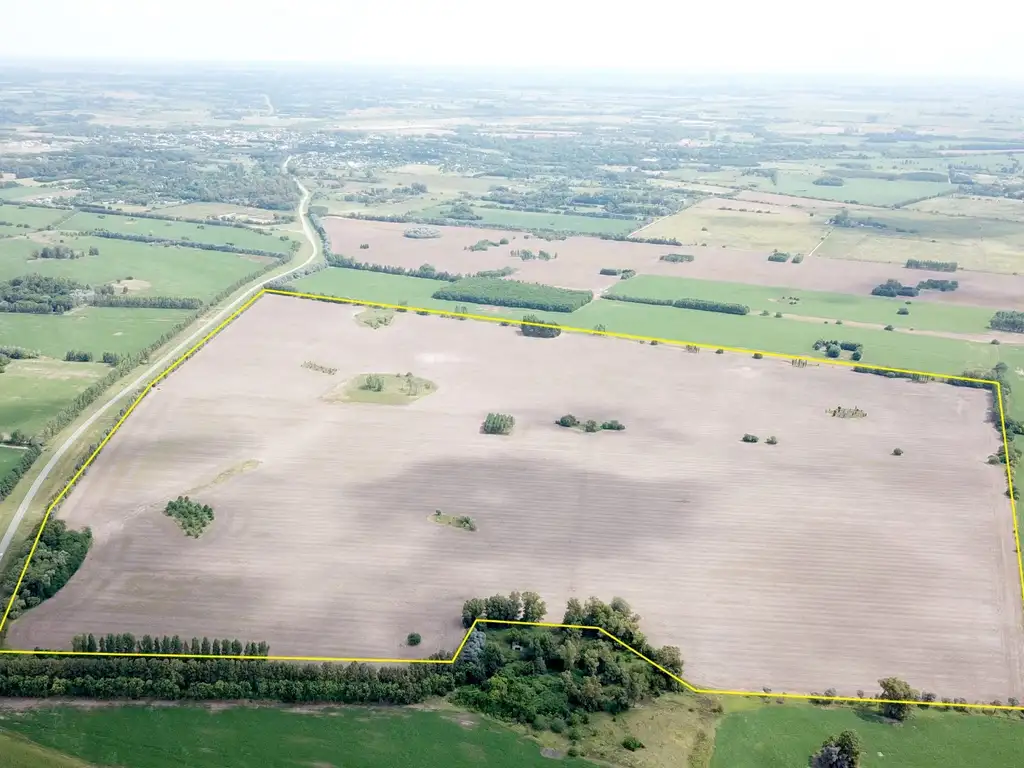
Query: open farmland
column 323, row 543
column 580, row 259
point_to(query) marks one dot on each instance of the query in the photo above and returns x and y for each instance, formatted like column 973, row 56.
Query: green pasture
column 213, row 234
column 832, row 306
column 169, row 270
column 240, row 737
column 782, row 736
column 37, row 218
column 9, row 457
column 93, row 329
column 31, row 391
column 20, row 753
column 784, row 335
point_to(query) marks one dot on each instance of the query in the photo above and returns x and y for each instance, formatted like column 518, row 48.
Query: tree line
column 701, row 304
column 530, row 327
column 128, row 643
column 936, row 266
column 514, row 293
column 223, row 247
column 11, row 477
column 104, row 211
column 147, row 302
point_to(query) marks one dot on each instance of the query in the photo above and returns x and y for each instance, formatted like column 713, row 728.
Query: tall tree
column 842, row 751
column 896, row 690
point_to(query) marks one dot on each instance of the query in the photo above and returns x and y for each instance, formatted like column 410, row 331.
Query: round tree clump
column 413, row 638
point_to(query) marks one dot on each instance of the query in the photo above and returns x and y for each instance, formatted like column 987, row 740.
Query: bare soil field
column 580, row 259
column 821, row 561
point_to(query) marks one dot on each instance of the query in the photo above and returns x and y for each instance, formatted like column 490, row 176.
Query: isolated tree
column 533, row 607
column 842, row 751
column 896, row 690
column 472, row 610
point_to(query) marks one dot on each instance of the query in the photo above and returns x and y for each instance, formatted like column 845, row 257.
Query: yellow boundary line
column 612, row 334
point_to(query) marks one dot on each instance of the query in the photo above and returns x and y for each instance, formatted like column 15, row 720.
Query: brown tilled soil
column 580, row 259
column 819, row 562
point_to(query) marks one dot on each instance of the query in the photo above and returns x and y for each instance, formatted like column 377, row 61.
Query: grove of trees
column 936, row 266
column 530, row 327
column 1007, row 320
column 192, row 516
column 498, row 424
column 36, row 294
column 61, row 551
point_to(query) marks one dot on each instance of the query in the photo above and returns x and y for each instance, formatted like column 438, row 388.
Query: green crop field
column 171, row 737
column 782, row 736
column 832, row 306
column 37, row 218
column 19, row 753
column 93, row 329
column 31, row 391
column 180, row 230
column 782, row 335
column 169, row 271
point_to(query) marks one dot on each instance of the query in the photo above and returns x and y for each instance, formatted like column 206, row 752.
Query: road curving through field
column 159, row 365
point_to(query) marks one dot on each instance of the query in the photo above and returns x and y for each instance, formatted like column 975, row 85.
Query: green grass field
column 93, row 329
column 172, row 737
column 9, row 457
column 782, row 335
column 37, row 218
column 179, row 230
column 834, row 306
column 783, row 736
column 16, row 752
column 170, row 271
column 31, row 391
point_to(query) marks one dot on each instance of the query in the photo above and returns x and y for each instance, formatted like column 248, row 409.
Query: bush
column 719, row 351
column 892, row 288
column 613, row 425
column 748, row 438
column 514, row 293
column 78, row 356
column 897, row 451
column 413, row 638
column 568, row 421
column 498, row 424
column 902, row 311
column 758, row 356
column 994, row 341
column 364, row 246
column 779, row 256
column 632, row 743
column 373, row 383
column 832, row 350
column 529, row 328
column 889, row 328
column 772, row 440
column 856, row 356
column 590, row 426
column 677, row 257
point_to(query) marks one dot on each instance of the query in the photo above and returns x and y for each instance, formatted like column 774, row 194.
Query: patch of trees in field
column 514, row 293
column 779, row 256
column 893, row 288
column 426, row 271
column 1007, row 320
column 624, row 274
column 422, row 233
column 36, row 294
column 61, row 551
column 699, row 304
column 829, row 181
column 936, row 266
column 482, row 245
column 834, row 348
column 938, row 285
column 77, row 356
column 192, row 516
column 60, row 252
column 129, row 643
column 503, row 272
column 841, row 751
column 590, row 425
column 498, row 424
column 222, row 247
column 537, row 328
column 677, row 258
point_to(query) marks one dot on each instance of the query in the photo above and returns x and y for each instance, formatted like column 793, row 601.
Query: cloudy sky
column 875, row 37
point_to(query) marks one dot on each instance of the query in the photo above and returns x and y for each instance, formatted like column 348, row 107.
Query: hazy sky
column 877, row 37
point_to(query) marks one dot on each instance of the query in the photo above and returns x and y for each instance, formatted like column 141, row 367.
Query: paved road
column 158, row 366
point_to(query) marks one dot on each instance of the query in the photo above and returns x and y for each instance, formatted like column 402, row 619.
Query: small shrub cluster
column 373, row 383
column 77, row 356
column 935, row 266
column 498, row 424
column 317, row 367
column 590, row 425
column 413, row 639
column 779, row 256
column 677, row 258
column 191, row 515
column 749, row 438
